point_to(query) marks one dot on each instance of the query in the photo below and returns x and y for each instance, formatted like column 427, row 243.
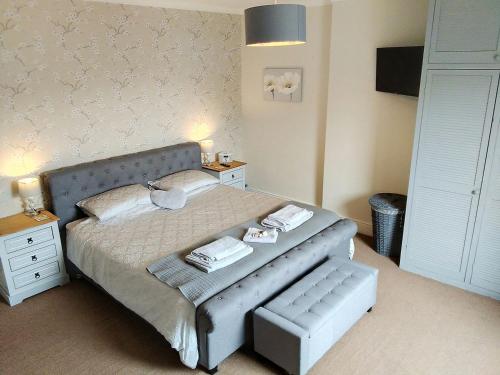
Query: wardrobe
column 452, row 223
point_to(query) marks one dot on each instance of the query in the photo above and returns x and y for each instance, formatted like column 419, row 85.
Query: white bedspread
column 115, row 254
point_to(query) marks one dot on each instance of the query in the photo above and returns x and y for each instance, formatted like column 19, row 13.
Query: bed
column 114, row 255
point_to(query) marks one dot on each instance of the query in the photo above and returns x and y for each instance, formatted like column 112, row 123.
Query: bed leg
column 76, row 276
column 212, row 371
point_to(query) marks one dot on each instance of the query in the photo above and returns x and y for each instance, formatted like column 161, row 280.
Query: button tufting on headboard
column 64, row 187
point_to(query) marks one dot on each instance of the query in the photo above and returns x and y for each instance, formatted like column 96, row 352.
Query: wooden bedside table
column 234, row 175
column 31, row 259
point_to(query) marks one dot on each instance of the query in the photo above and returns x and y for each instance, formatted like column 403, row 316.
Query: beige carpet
column 418, row 326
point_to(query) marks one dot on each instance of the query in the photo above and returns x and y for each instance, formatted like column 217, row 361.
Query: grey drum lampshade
column 275, row 25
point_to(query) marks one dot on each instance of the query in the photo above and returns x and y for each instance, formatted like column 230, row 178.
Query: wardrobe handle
column 475, row 192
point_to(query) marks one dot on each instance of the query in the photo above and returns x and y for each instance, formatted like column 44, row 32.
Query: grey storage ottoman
column 299, row 326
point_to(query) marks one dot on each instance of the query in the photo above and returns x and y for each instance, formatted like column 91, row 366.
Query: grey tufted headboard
column 64, row 187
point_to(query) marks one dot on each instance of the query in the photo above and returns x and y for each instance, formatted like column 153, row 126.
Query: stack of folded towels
column 287, row 218
column 218, row 254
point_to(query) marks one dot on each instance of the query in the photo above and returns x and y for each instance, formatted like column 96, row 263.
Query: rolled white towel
column 219, row 249
column 216, row 265
column 261, row 236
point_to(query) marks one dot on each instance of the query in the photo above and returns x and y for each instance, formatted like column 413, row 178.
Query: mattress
column 115, row 254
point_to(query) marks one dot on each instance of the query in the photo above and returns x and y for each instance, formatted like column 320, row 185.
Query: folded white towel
column 261, row 236
column 216, row 265
column 287, row 218
column 220, row 249
column 289, row 214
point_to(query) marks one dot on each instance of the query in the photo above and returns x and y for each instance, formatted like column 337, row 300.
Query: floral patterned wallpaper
column 81, row 81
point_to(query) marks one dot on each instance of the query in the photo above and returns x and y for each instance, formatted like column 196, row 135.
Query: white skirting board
column 364, row 227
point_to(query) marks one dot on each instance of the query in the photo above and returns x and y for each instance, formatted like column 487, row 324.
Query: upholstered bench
column 298, row 327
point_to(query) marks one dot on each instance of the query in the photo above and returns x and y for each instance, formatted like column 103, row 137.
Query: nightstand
column 234, row 175
column 31, row 259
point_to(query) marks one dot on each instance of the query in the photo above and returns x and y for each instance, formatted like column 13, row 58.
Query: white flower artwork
column 283, row 84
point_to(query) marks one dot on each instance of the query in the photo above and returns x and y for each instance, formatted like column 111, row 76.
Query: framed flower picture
column 283, row 84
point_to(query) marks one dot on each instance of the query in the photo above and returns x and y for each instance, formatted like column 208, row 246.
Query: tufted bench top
column 316, row 298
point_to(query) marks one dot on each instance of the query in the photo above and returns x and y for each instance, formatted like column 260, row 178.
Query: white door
column 485, row 265
column 466, row 31
column 453, row 138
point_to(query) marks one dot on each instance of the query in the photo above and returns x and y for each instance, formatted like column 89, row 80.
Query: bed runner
column 198, row 286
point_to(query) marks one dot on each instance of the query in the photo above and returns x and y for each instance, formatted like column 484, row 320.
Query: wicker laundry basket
column 388, row 215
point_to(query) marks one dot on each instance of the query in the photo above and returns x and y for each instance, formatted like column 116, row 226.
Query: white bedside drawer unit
column 36, row 275
column 234, row 175
column 240, row 184
column 31, row 258
column 28, row 239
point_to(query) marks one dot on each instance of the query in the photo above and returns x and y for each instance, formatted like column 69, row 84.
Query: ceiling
column 220, row 6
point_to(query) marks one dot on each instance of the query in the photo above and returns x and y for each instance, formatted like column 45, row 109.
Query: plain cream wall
column 369, row 134
column 284, row 142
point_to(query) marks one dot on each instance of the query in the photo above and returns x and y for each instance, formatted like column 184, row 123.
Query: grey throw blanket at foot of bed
column 198, row 286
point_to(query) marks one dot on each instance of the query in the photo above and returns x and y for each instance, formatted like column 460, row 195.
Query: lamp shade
column 275, row 25
column 207, row 146
column 29, row 187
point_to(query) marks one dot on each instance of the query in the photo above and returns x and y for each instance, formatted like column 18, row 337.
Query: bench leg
column 370, row 309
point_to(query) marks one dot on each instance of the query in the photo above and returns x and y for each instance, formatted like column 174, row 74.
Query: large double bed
column 114, row 254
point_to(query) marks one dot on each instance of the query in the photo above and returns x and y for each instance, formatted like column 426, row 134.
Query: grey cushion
column 295, row 329
column 172, row 199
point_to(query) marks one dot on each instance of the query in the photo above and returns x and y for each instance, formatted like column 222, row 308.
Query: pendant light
column 275, row 25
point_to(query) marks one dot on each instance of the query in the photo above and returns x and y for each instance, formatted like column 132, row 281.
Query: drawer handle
column 37, row 275
column 30, row 240
column 34, row 258
column 497, row 57
column 232, row 176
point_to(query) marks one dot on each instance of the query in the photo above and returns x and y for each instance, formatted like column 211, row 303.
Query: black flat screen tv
column 399, row 69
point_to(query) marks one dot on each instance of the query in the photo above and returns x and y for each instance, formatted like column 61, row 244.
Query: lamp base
column 205, row 158
column 32, row 213
column 32, row 206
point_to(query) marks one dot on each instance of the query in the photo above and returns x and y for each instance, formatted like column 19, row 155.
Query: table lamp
column 29, row 191
column 207, row 148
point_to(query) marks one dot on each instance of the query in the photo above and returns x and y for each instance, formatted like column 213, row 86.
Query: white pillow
column 113, row 202
column 172, row 199
column 202, row 189
column 189, row 181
